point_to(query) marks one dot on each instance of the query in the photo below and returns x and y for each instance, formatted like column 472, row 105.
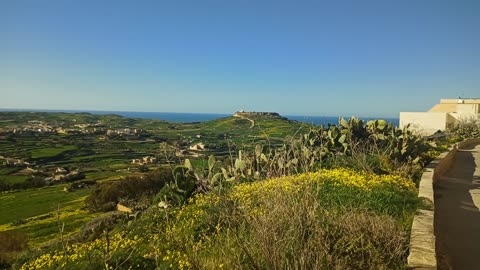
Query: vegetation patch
column 286, row 222
column 11, row 244
column 40, row 213
column 13, row 179
column 51, row 151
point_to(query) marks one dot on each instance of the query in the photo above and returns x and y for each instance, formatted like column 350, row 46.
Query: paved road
column 457, row 214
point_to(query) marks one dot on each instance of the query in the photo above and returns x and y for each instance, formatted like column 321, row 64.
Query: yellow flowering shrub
column 341, row 176
column 98, row 252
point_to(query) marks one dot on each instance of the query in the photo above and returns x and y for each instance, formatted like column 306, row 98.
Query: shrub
column 468, row 128
column 82, row 184
column 31, row 182
column 295, row 233
column 360, row 240
column 375, row 146
column 107, row 195
column 97, row 226
column 11, row 244
column 178, row 191
column 111, row 251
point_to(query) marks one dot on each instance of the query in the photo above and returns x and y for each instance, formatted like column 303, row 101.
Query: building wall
column 451, row 121
column 426, row 123
column 462, row 100
column 443, row 107
column 466, row 108
column 445, row 115
column 469, row 106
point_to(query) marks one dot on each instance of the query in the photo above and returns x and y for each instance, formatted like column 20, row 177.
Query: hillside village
column 45, row 128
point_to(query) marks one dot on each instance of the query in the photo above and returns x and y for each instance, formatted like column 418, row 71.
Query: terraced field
column 80, row 142
column 39, row 212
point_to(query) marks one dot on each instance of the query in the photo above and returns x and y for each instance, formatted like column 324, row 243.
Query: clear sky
column 359, row 57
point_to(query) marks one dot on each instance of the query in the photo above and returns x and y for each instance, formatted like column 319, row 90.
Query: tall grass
column 11, row 244
column 311, row 228
column 295, row 232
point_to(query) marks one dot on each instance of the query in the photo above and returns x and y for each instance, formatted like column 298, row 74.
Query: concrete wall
column 468, row 143
column 467, row 108
column 426, row 123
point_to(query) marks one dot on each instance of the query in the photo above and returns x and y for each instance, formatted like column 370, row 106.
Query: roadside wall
column 468, row 143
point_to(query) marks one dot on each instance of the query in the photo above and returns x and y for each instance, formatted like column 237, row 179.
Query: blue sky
column 364, row 58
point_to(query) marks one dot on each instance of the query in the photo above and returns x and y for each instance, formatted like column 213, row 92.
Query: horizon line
column 218, row 113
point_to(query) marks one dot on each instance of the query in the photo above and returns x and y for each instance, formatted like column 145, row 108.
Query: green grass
column 51, row 151
column 42, row 210
column 101, row 175
column 71, row 219
column 9, row 170
column 12, row 179
column 29, row 203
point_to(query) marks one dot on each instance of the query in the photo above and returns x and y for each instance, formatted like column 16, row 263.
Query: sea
column 201, row 117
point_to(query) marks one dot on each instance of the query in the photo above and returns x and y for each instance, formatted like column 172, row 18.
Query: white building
column 198, row 146
column 445, row 115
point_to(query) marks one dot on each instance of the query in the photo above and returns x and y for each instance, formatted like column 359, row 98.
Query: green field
column 51, row 151
column 39, row 211
column 12, row 179
column 19, row 205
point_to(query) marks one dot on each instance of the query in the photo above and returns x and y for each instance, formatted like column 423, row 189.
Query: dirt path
column 243, row 117
column 457, row 215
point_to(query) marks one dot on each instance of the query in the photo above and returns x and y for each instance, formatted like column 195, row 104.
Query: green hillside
column 89, row 144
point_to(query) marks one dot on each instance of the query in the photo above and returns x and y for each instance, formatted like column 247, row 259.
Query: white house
column 445, row 115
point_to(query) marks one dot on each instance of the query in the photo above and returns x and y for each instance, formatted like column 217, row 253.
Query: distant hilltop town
column 257, row 114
